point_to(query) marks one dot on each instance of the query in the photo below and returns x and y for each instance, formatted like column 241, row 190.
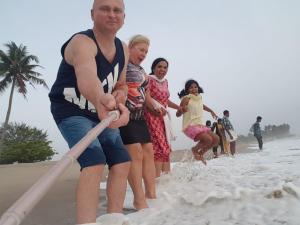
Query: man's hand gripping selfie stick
column 22, row 207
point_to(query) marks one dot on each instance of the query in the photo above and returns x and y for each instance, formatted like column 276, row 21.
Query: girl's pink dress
column 158, row 91
column 193, row 130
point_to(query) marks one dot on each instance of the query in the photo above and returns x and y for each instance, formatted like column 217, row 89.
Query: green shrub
column 24, row 144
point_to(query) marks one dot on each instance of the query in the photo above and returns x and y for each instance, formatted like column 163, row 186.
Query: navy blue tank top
column 65, row 98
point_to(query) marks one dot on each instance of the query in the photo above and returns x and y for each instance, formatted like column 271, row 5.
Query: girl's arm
column 183, row 106
column 151, row 106
column 211, row 112
column 173, row 105
column 150, row 102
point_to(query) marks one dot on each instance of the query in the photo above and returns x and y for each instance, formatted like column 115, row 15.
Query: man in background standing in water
column 257, row 132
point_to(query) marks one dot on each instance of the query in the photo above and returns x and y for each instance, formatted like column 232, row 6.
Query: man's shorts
column 108, row 148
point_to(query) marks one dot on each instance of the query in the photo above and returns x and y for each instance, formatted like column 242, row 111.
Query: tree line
column 18, row 141
column 276, row 131
column 269, row 131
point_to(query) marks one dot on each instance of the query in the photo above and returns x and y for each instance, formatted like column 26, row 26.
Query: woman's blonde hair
column 137, row 39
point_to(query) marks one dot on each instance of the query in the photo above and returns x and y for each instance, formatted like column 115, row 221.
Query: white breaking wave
column 261, row 188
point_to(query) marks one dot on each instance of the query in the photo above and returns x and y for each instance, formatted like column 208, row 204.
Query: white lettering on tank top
column 110, row 81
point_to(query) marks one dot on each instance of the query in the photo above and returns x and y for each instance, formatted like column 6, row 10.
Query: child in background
column 218, row 128
column 192, row 110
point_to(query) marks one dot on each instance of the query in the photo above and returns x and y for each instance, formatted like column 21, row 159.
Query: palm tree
column 17, row 71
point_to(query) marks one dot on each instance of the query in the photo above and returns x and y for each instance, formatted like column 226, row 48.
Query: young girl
column 192, row 110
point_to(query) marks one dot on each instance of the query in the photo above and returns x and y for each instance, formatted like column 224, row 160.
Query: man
column 90, row 83
column 230, row 131
column 257, row 131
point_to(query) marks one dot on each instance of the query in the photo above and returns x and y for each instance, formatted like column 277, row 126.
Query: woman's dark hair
column 187, row 85
column 155, row 62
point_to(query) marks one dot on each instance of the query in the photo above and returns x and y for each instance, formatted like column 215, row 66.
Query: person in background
column 257, row 132
column 192, row 108
column 218, row 128
column 157, row 116
column 90, row 83
column 212, row 126
column 135, row 134
column 208, row 124
column 230, row 131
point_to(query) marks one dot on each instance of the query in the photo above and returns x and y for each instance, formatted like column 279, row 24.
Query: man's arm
column 224, row 122
column 252, row 128
column 80, row 53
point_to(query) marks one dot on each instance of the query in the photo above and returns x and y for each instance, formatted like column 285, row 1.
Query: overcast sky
column 245, row 54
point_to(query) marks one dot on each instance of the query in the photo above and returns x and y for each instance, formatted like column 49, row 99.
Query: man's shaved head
column 97, row 2
column 108, row 15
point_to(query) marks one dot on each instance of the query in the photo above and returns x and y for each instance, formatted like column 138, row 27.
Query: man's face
column 108, row 15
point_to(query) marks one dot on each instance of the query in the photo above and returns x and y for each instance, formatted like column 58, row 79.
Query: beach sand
column 58, row 206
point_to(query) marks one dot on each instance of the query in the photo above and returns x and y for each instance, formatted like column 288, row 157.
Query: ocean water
column 260, row 188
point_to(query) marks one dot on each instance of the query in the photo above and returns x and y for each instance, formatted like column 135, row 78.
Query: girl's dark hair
column 225, row 112
column 187, row 85
column 155, row 62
